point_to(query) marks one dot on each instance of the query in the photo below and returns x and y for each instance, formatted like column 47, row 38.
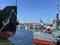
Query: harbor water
column 21, row 37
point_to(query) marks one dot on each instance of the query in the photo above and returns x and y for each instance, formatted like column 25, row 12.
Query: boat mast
column 16, row 2
column 16, row 6
column 57, row 16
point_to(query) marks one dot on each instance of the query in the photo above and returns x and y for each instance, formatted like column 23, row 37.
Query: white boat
column 50, row 35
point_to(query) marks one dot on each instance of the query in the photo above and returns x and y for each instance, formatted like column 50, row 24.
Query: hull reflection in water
column 5, row 42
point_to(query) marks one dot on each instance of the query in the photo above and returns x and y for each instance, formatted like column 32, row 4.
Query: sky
column 34, row 10
column 31, row 11
column 4, row 3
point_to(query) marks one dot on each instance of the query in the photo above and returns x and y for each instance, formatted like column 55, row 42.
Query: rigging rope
column 7, row 21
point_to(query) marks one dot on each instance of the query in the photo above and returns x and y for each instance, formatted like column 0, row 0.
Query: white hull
column 46, row 37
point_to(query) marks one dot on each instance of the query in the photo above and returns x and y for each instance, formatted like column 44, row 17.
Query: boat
column 50, row 35
column 8, row 19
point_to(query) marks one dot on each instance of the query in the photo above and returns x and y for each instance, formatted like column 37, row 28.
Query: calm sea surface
column 21, row 37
